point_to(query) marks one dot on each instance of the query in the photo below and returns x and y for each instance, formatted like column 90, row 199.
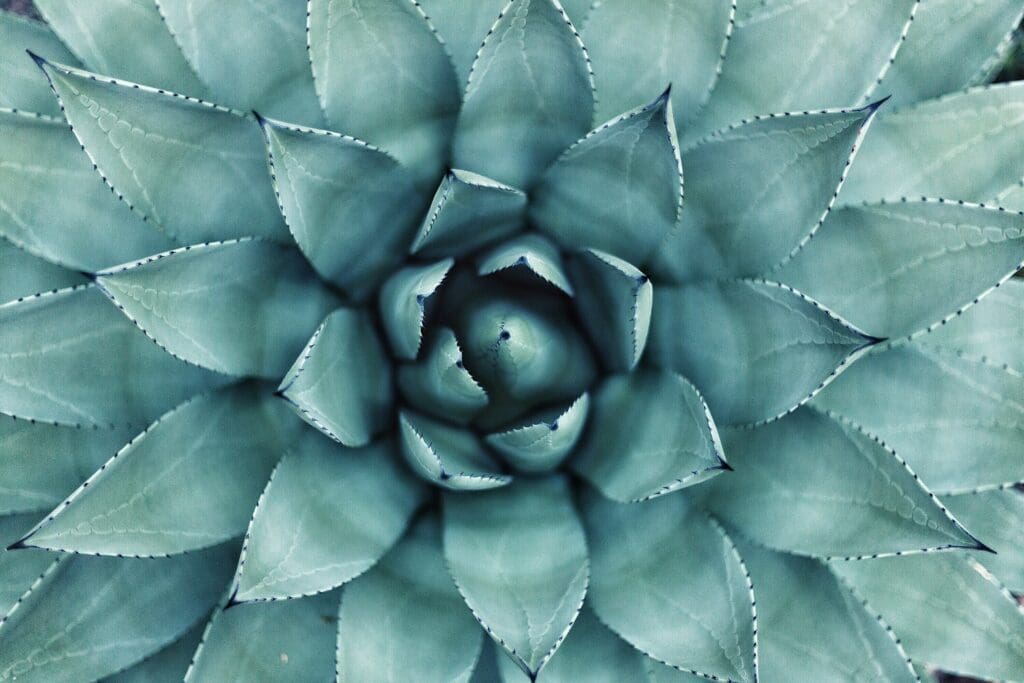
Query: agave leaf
column 462, row 26
column 619, row 189
column 961, row 146
column 23, row 88
column 447, row 456
column 22, row 274
column 88, row 617
column 530, row 94
column 189, row 481
column 519, row 559
column 327, row 515
column 383, row 76
column 886, row 267
column 468, row 211
column 167, row 665
column 813, row 485
column 122, row 38
column 755, row 349
column 639, row 49
column 806, row 619
column 948, row 610
column 402, row 302
column 87, row 229
column 341, row 383
column 286, row 641
column 265, row 41
column 997, row 517
column 407, row 604
column 992, row 329
column 756, row 192
column 651, row 433
column 678, row 591
column 614, row 303
column 193, row 169
column 970, row 40
column 71, row 358
column 240, row 307
column 18, row 568
column 350, row 207
column 956, row 420
column 531, row 252
column 439, row 383
column 543, row 441
column 786, row 56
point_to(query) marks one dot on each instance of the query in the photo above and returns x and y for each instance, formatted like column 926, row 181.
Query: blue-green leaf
column 189, row 481
column 21, row 567
column 543, row 441
column 341, row 383
column 813, row 485
column 997, row 518
column 240, row 307
column 992, row 329
column 70, row 357
column 402, row 301
column 439, row 383
column 529, row 96
column 519, row 559
column 651, row 433
column 23, row 87
column 955, row 419
column 327, row 515
column 284, row 642
column 405, row 621
column 22, row 274
column 619, row 189
column 350, row 207
column 678, row 591
column 462, row 26
column 166, row 666
column 195, row 170
column 467, row 212
column 755, row 349
column 383, row 76
column 88, row 617
column 531, row 254
column 448, row 456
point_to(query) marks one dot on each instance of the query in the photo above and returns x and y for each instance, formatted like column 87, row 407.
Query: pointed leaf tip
column 37, row 59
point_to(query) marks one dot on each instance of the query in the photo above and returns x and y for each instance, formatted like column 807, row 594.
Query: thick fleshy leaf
column 530, row 95
column 885, row 267
column 519, row 559
column 755, row 349
column 806, row 620
column 18, row 568
column 290, row 641
column 468, row 211
column 69, row 357
column 448, row 456
column 614, row 301
column 350, row 207
column 462, row 26
column 969, row 40
column 22, row 274
column 543, row 441
column 531, row 254
column 240, row 307
column 992, row 329
column 23, row 87
column 756, row 191
column 122, row 38
column 619, row 189
column 813, row 485
column 265, row 41
column 669, row 581
column 327, row 515
column 88, row 617
column 639, row 49
column 439, row 383
column 196, row 171
column 948, row 611
column 341, row 383
column 383, row 76
column 785, row 56
column 405, row 621
column 961, row 146
column 166, row 666
column 955, row 419
column 997, row 518
column 87, row 229
column 402, row 302
column 651, row 433
column 189, row 481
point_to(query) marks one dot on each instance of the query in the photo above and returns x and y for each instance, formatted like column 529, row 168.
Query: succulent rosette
column 375, row 340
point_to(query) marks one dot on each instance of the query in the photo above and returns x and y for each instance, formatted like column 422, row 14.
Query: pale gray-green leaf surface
column 448, row 456
column 530, row 253
column 543, row 441
column 991, row 329
column 996, row 518
column 22, row 274
column 439, row 383
column 401, row 304
column 23, row 86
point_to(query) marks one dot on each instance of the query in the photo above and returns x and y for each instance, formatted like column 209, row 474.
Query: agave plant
column 342, row 335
